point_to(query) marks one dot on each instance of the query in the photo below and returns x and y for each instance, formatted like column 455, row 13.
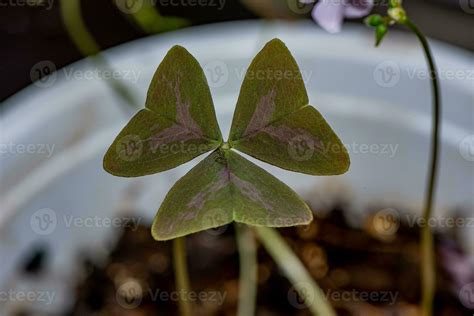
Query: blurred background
column 34, row 30
column 57, row 204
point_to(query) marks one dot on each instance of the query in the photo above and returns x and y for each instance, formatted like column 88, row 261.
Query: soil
column 362, row 271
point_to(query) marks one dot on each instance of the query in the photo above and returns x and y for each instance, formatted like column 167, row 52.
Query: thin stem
column 86, row 44
column 295, row 271
column 248, row 270
column 181, row 274
column 428, row 265
column 149, row 19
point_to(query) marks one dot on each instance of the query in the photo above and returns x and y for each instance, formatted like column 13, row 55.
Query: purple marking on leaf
column 262, row 115
column 283, row 133
column 224, row 178
column 169, row 135
column 261, row 120
column 183, row 115
column 167, row 226
column 185, row 128
column 287, row 135
column 250, row 191
column 188, row 216
column 210, row 190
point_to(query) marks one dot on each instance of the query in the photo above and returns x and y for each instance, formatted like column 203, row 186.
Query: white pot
column 370, row 96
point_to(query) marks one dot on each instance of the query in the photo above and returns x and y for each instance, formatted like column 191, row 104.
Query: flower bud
column 373, row 20
column 398, row 14
column 380, row 32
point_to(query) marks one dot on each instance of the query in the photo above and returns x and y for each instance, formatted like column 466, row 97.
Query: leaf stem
column 248, row 270
column 428, row 265
column 295, row 271
column 181, row 274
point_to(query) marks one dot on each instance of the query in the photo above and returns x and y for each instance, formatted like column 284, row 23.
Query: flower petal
column 358, row 8
column 329, row 14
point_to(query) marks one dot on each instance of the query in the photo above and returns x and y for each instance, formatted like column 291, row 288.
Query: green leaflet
column 274, row 123
column 178, row 124
column 223, row 188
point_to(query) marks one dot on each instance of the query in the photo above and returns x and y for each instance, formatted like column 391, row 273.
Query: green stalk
column 428, row 265
column 248, row 270
column 86, row 44
column 151, row 21
column 181, row 275
column 295, row 271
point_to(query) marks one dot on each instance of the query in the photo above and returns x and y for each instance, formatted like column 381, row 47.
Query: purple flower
column 460, row 266
column 329, row 14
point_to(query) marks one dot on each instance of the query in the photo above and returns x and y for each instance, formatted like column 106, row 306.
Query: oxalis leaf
column 226, row 187
column 177, row 125
column 272, row 122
